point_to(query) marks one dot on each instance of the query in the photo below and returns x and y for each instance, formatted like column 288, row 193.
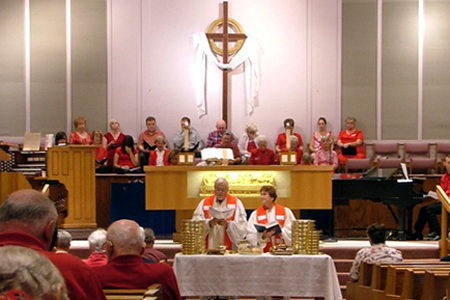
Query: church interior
column 382, row 62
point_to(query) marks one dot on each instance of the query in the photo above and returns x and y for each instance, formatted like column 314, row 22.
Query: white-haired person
column 64, row 240
column 294, row 148
column 222, row 231
column 26, row 274
column 326, row 156
column 262, row 155
column 247, row 143
column 97, row 240
column 126, row 269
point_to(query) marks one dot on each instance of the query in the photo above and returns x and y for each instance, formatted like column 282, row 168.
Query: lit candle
column 186, row 137
column 288, row 137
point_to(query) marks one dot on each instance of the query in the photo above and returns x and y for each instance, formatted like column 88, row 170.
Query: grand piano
column 380, row 185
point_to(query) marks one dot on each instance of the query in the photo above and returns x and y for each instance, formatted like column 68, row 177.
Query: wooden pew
column 405, row 281
column 436, row 285
column 355, row 290
column 153, row 292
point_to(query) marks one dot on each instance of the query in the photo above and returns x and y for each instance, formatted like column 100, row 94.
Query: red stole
column 280, row 217
column 209, row 201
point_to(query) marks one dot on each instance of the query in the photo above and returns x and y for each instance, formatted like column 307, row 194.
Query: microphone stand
column 331, row 238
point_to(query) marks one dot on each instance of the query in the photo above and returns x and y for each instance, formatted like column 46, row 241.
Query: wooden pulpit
column 74, row 166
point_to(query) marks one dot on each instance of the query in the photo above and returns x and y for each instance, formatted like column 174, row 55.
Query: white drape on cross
column 248, row 54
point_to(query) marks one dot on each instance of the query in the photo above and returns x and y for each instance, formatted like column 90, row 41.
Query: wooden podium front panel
column 74, row 166
column 309, row 186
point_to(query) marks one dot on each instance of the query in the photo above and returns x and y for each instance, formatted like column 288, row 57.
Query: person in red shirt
column 159, row 156
column 97, row 240
column 262, row 155
column 429, row 213
column 351, row 142
column 29, row 219
column 126, row 269
column 126, row 158
column 280, row 145
column 80, row 136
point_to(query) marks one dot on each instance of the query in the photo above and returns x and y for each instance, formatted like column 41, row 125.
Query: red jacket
column 80, row 280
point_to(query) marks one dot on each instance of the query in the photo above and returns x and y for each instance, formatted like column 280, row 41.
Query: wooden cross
column 225, row 38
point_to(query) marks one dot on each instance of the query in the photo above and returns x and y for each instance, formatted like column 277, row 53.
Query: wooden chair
column 418, row 158
column 358, row 164
column 386, row 155
column 153, row 292
column 442, row 150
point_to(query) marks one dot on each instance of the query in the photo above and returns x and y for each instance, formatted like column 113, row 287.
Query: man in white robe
column 222, row 231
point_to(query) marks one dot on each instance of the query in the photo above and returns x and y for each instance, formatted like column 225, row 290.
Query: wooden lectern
column 74, row 166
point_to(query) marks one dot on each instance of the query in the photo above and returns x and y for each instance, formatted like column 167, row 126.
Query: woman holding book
column 315, row 143
column 351, row 142
column 126, row 157
column 270, row 224
column 101, row 155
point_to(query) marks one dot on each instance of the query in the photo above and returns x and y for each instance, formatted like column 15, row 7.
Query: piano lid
column 371, row 174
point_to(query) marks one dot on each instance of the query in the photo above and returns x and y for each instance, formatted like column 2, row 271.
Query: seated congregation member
column 28, row 219
column 80, row 136
column 147, row 139
column 97, row 240
column 227, row 142
column 150, row 252
column 61, row 138
column 126, row 158
column 195, row 141
column 377, row 252
column 262, row 155
column 316, row 138
column 64, row 240
column 159, row 156
column 215, row 137
column 351, row 142
column 270, row 212
column 247, row 142
column 222, row 231
column 25, row 274
column 429, row 213
column 325, row 156
column 126, row 269
column 307, row 160
column 294, row 148
column 112, row 140
column 101, row 154
column 173, row 157
column 280, row 145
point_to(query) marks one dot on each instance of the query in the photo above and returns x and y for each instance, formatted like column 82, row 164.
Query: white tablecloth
column 257, row 275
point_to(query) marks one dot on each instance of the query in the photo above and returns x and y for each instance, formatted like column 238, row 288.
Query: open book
column 217, row 153
column 269, row 226
column 221, row 214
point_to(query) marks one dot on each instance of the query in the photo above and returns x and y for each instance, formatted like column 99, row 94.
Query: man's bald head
column 221, row 126
column 29, row 211
column 126, row 237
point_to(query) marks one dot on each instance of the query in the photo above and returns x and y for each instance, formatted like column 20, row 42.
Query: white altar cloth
column 257, row 275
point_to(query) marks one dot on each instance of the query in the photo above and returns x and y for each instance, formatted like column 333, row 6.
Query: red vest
column 280, row 217
column 231, row 202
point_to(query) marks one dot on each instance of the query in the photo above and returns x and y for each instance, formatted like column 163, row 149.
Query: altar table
column 257, row 275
